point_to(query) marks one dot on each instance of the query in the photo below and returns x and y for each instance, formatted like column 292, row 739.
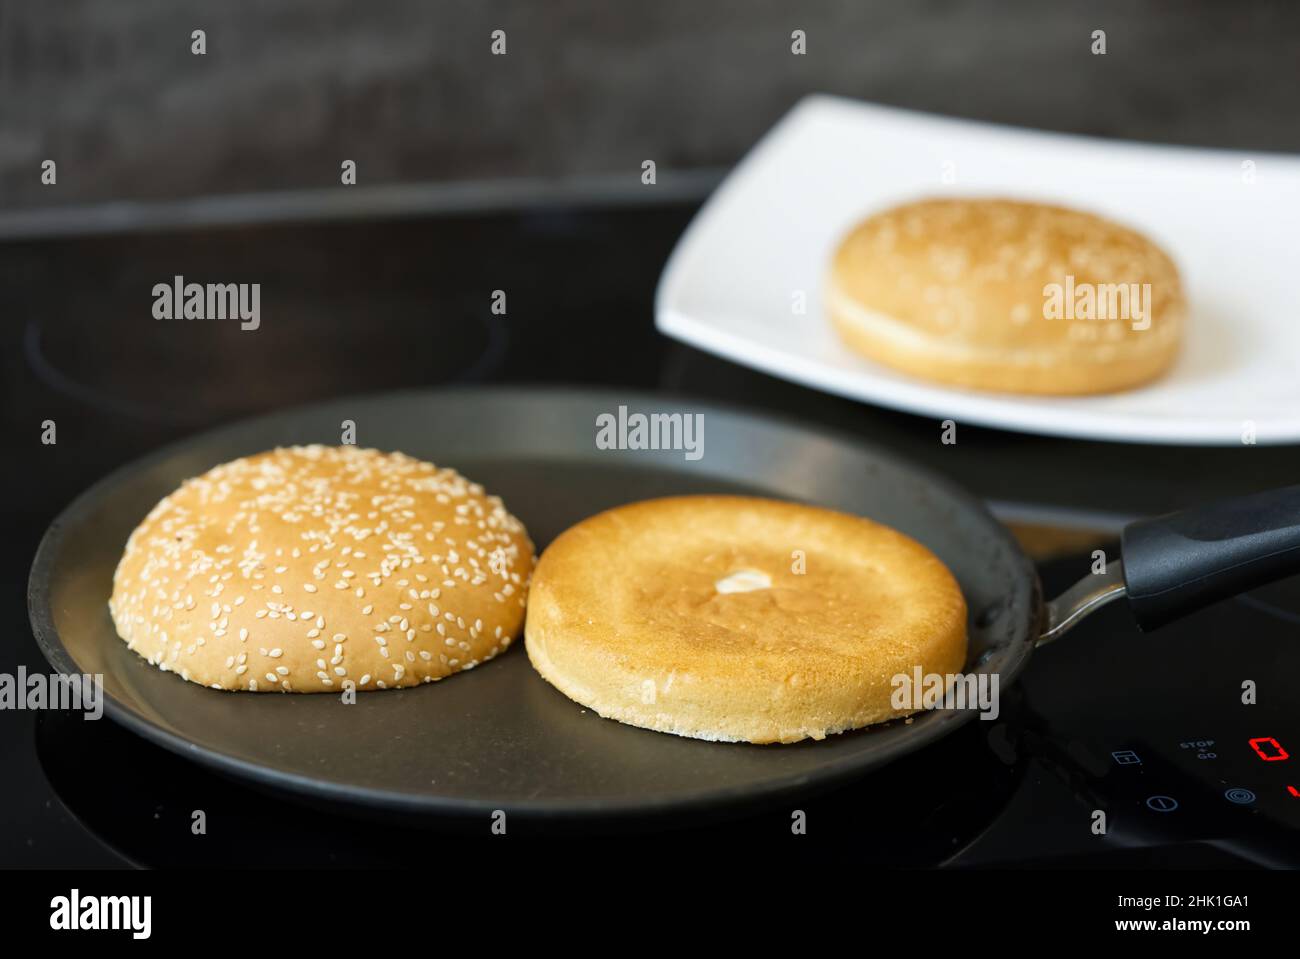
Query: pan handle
column 1176, row 564
column 1082, row 599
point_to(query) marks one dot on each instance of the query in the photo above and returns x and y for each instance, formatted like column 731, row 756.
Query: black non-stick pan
column 499, row 737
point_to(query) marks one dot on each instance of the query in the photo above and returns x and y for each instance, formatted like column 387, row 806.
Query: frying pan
column 499, row 737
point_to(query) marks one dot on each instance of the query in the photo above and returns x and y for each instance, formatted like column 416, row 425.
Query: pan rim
column 925, row 730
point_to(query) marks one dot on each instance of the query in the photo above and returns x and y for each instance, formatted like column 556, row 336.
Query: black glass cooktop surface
column 1186, row 739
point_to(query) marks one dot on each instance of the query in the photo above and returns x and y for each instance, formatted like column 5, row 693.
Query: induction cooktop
column 1174, row 748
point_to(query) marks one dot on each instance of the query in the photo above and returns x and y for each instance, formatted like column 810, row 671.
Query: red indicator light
column 1269, row 749
column 1293, row 791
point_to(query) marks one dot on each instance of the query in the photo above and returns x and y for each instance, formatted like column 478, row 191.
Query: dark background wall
column 410, row 91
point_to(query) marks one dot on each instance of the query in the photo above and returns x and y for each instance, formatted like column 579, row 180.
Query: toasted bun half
column 740, row 619
column 302, row 569
column 994, row 295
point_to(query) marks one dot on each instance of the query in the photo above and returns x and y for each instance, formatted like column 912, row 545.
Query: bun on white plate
column 1007, row 296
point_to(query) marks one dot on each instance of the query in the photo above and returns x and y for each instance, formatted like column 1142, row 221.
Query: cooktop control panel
column 1211, row 785
column 1186, row 733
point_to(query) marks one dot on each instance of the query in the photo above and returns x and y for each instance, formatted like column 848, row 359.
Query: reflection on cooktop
column 923, row 810
column 1281, row 600
column 177, row 373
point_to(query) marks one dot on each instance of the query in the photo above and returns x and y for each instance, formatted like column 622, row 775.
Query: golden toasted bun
column 301, row 569
column 689, row 615
column 955, row 291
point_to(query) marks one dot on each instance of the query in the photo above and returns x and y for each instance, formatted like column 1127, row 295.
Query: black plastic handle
column 1175, row 564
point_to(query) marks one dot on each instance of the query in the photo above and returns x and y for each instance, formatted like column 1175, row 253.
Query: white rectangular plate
column 1230, row 220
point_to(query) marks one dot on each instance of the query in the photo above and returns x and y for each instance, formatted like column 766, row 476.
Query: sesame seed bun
column 954, row 291
column 300, row 569
column 690, row 615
